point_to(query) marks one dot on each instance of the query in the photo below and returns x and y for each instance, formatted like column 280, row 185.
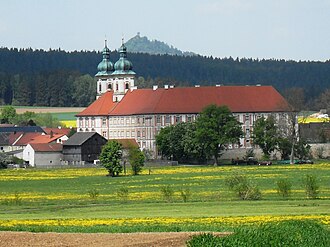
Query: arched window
column 100, row 87
column 109, row 86
column 126, row 86
column 116, row 86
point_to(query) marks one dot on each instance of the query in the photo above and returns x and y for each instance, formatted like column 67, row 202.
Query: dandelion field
column 86, row 200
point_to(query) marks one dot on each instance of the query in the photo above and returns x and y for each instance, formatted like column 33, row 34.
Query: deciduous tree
column 265, row 135
column 110, row 157
column 216, row 127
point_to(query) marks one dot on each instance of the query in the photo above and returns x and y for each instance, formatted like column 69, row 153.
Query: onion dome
column 105, row 67
column 123, row 65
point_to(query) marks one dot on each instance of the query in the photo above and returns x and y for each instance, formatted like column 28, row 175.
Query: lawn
column 86, row 199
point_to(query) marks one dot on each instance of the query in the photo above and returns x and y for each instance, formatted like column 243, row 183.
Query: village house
column 83, row 147
column 43, row 154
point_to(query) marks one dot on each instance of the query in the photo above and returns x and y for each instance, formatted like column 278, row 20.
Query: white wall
column 28, row 154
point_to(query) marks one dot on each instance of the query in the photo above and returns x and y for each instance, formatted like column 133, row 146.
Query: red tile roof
column 26, row 138
column 47, row 147
column 46, row 138
column 101, row 107
column 64, row 131
column 127, row 143
column 191, row 100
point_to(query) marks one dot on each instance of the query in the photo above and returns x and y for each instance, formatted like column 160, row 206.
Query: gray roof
column 24, row 129
column 79, row 138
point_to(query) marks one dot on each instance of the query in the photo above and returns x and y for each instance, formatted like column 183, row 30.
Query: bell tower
column 105, row 69
column 123, row 77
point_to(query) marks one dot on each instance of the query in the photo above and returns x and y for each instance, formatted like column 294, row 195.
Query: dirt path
column 158, row 239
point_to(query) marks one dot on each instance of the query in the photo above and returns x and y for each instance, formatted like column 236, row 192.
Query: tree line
column 60, row 78
column 216, row 128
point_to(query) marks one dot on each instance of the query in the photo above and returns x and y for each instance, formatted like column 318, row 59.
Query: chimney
column 166, row 86
column 197, row 85
column 154, row 87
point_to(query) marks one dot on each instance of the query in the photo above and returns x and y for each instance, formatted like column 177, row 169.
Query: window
column 133, row 133
column 104, row 122
column 93, row 122
column 143, row 133
column 109, row 86
column 87, row 122
column 189, row 118
column 158, row 119
column 100, row 87
column 117, row 87
column 122, row 134
column 127, row 120
column 127, row 133
column 122, row 120
column 80, row 122
column 177, row 119
column 126, row 86
column 168, row 119
column 138, row 134
column 104, row 134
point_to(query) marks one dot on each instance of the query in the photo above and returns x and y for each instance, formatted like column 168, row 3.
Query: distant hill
column 139, row 44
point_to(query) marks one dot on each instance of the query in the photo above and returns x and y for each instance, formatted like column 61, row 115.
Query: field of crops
column 86, row 200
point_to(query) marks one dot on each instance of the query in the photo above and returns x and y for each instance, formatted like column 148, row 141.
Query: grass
column 66, row 194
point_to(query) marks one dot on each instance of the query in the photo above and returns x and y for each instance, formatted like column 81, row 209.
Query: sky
column 270, row 29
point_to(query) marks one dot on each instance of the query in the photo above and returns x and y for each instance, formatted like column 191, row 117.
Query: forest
column 59, row 78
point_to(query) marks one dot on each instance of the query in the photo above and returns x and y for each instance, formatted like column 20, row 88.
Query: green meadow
column 86, row 200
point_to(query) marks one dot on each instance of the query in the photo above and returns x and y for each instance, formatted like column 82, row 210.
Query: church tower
column 123, row 77
column 105, row 69
column 118, row 78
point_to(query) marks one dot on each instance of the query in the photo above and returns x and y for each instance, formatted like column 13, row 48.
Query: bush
column 284, row 188
column 287, row 233
column 311, row 186
column 185, row 194
column 244, row 189
column 122, row 193
column 167, row 193
column 93, row 194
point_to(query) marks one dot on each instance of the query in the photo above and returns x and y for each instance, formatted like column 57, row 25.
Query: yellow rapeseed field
column 233, row 221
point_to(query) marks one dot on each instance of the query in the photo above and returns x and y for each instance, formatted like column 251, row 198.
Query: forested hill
column 139, row 44
column 55, row 77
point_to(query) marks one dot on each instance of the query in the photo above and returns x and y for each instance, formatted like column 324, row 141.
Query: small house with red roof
column 43, row 154
column 122, row 111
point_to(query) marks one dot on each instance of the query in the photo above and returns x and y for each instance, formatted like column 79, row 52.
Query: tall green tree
column 110, row 157
column 216, row 127
column 136, row 159
column 265, row 135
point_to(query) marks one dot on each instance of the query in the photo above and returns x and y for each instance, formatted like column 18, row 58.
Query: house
column 43, row 154
column 83, row 147
column 51, row 138
column 315, row 132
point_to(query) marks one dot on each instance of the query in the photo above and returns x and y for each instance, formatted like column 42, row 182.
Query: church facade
column 121, row 111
